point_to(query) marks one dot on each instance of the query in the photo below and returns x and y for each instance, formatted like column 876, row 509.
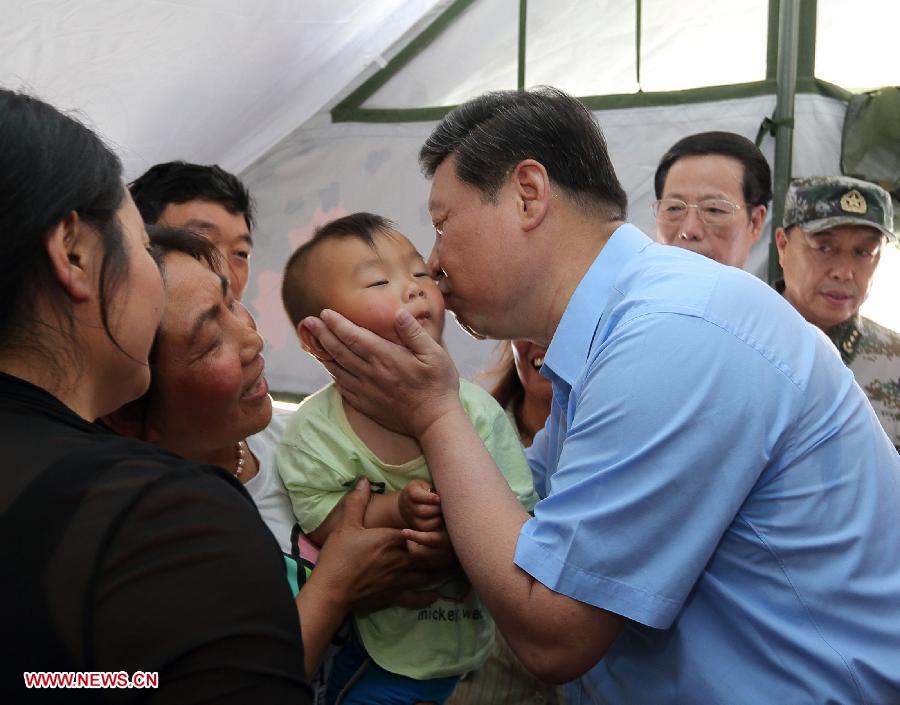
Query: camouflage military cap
column 822, row 202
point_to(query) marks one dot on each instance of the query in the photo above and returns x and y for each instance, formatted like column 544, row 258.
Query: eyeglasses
column 712, row 211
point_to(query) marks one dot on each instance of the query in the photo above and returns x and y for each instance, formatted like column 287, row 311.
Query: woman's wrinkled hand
column 432, row 552
column 368, row 568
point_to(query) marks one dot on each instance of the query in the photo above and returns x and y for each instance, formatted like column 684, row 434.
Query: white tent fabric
column 585, row 48
column 857, row 59
column 444, row 75
column 326, row 170
column 208, row 81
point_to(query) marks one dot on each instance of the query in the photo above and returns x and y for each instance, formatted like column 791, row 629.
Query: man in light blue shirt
column 718, row 522
column 735, row 511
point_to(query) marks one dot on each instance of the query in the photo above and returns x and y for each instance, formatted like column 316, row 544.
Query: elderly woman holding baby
column 208, row 401
column 119, row 555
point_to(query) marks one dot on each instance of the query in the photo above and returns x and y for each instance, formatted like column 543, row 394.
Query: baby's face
column 369, row 285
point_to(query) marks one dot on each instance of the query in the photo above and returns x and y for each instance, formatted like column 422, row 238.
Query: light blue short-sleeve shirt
column 711, row 471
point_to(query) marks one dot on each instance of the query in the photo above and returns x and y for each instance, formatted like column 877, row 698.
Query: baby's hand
column 431, row 551
column 420, row 506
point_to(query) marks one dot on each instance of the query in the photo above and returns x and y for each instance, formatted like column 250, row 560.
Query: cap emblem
column 853, row 202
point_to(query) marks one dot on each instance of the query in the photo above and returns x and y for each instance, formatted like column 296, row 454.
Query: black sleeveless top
column 119, row 556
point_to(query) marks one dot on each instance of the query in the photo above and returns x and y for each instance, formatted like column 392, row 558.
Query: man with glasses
column 712, row 189
column 830, row 245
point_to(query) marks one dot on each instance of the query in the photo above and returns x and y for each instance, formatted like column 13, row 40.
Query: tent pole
column 637, row 43
column 786, row 76
column 523, row 14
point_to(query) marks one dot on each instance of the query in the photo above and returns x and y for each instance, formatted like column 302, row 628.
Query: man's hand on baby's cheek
column 309, row 339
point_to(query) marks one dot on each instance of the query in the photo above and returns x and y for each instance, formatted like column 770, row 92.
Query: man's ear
column 532, row 189
column 781, row 242
column 131, row 420
column 757, row 220
column 70, row 248
column 311, row 343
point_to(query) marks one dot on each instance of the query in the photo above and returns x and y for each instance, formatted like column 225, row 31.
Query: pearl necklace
column 241, row 459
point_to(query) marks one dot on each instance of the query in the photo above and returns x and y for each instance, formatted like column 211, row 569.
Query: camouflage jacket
column 872, row 352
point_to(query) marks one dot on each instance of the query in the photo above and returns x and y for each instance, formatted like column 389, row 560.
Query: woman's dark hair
column 51, row 165
column 164, row 240
column 492, row 133
column 180, row 182
column 507, row 389
column 757, row 182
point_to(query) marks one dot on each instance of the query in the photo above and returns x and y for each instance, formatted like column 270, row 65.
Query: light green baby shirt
column 319, row 459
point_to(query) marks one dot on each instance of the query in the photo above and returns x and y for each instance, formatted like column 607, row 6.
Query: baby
column 361, row 267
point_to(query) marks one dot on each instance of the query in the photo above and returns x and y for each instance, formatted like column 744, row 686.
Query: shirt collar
column 572, row 339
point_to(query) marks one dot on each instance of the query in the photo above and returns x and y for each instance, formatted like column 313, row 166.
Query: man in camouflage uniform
column 830, row 245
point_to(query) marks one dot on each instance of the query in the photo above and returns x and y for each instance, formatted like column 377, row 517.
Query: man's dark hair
column 180, row 182
column 298, row 287
column 491, row 134
column 757, row 182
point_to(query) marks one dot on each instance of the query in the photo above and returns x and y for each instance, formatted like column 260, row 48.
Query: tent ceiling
column 628, row 54
column 203, row 80
column 585, row 48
